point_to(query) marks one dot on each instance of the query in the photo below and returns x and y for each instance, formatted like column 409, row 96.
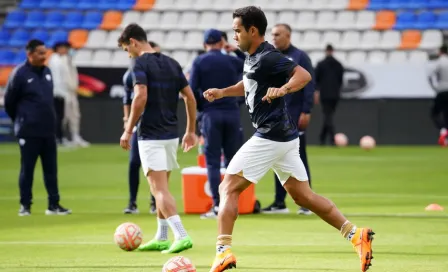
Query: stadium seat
column 54, row 19
column 431, row 39
column 395, row 4
column 40, row 35
column 68, row 4
column 315, row 57
column 276, row 5
column 385, row 20
column 340, row 56
column 165, row 5
column 300, row 5
column 120, row 59
column 4, row 37
column 311, row 40
column 49, row 4
column 6, row 57
column 202, row 5
column 15, row 19
column 150, row 20
column 345, row 20
column 73, row 20
column 29, row 4
column 19, row 57
column 239, row 3
column 183, row 57
column 416, row 4
column 4, row 74
column 169, row 20
column 193, row 40
column 57, row 36
column 397, row 57
column 306, row 20
column 130, row 17
column 158, row 37
column 437, row 4
column 19, row 38
column 106, row 4
column 186, row 5
column 188, row 20
column 174, row 40
column 78, row 38
column 377, row 57
column 111, row 20
column 124, row 5
column 410, row 39
column 92, row 20
column 365, row 20
column 325, row 20
column 87, row 5
column 330, row 37
column 82, row 57
column 34, row 19
column 442, row 21
column 112, row 39
column 405, row 20
column 223, row 5
column 336, row 4
column 208, row 19
column 369, row 40
column 101, row 58
column 418, row 56
column 296, row 37
column 425, row 20
column 96, row 39
column 350, row 40
column 390, row 39
column 287, row 17
column 378, row 4
column 271, row 17
column 358, row 4
column 144, row 5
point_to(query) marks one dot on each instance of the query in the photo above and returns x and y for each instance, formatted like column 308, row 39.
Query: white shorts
column 158, row 155
column 258, row 155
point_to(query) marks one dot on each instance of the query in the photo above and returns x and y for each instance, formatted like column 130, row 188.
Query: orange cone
column 434, row 207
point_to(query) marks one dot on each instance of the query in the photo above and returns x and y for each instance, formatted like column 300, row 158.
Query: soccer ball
column 179, row 264
column 128, row 236
column 340, row 139
column 367, row 142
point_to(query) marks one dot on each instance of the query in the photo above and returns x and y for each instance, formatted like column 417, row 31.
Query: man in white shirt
column 66, row 85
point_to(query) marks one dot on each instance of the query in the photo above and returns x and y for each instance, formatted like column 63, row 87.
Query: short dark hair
column 288, row 27
column 224, row 35
column 33, row 44
column 329, row 47
column 61, row 44
column 444, row 49
column 252, row 16
column 133, row 31
column 153, row 44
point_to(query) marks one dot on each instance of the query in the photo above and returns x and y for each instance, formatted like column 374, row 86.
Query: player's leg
column 279, row 206
column 443, row 140
column 133, row 176
column 76, row 122
column 326, row 116
column 304, row 159
column 29, row 152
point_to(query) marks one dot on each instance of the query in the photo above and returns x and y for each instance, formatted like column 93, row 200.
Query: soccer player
column 158, row 79
column 134, row 158
column 299, row 106
column 268, row 76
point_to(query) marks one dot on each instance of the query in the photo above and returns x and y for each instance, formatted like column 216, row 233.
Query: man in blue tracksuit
column 29, row 103
column 220, row 120
column 299, row 106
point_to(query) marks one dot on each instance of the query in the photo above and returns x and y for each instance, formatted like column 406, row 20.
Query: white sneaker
column 77, row 140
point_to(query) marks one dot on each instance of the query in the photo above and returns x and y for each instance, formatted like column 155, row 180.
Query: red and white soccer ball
column 340, row 139
column 367, row 143
column 179, row 264
column 128, row 236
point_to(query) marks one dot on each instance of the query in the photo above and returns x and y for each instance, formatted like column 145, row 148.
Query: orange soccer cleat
column 362, row 242
column 224, row 261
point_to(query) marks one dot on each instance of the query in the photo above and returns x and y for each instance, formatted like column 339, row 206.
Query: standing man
column 299, row 106
column 268, row 77
column 134, row 158
column 29, row 103
column 220, row 121
column 329, row 81
column 157, row 81
column 439, row 70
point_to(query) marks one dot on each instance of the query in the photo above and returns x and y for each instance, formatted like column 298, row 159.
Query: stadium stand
column 376, row 31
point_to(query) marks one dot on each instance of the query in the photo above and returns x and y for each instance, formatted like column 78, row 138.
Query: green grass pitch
column 386, row 189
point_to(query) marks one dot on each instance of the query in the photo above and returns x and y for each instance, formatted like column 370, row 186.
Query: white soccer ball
column 367, row 143
column 128, row 236
column 179, row 264
column 340, row 139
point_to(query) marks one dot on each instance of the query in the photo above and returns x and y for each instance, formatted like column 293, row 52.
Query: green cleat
column 180, row 245
column 155, row 245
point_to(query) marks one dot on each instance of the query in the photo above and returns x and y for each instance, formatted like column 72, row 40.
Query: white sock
column 221, row 248
column 176, row 226
column 162, row 230
column 351, row 234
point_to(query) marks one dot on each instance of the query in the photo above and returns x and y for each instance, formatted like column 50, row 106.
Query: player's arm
column 190, row 107
column 12, row 95
column 299, row 78
column 140, row 82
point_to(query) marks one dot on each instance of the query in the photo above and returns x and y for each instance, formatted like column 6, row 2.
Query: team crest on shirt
column 48, row 77
column 288, row 57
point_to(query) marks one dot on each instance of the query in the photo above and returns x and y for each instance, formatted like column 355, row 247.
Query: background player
column 157, row 82
column 275, row 143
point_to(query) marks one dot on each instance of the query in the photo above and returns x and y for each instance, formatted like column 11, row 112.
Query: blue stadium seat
column 442, row 20
column 437, row 4
column 68, row 4
column 405, row 20
column 416, row 4
column 425, row 20
column 19, row 38
column 6, row 57
column 49, row 4
column 15, row 19
column 54, row 19
column 92, row 20
column 378, row 4
column 73, row 20
column 396, row 4
column 40, row 35
column 87, row 4
column 107, row 4
column 34, row 19
column 19, row 57
column 57, row 36
column 4, row 37
column 29, row 4
column 125, row 4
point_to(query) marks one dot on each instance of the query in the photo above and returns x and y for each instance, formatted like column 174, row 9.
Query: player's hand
column 125, row 140
column 230, row 48
column 274, row 93
column 213, row 94
column 189, row 141
column 316, row 97
column 304, row 120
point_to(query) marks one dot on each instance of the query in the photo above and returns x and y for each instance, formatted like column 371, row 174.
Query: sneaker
column 131, row 209
column 25, row 210
column 304, row 211
column 443, row 139
column 155, row 245
column 276, row 208
column 224, row 261
column 180, row 245
column 362, row 243
column 57, row 210
column 212, row 214
column 153, row 208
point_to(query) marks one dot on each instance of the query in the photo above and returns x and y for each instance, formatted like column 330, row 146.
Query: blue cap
column 212, row 36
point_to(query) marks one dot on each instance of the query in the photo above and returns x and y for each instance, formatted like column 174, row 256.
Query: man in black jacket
column 329, row 77
column 29, row 103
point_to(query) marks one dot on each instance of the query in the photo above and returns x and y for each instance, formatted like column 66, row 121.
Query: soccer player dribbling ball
column 275, row 143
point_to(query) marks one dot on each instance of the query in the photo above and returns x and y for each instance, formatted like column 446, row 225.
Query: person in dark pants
column 299, row 105
column 220, row 121
column 329, row 79
column 29, row 103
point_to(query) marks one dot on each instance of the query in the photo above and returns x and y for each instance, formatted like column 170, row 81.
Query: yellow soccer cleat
column 224, row 261
column 362, row 242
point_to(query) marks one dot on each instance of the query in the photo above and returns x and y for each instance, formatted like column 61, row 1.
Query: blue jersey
column 264, row 69
column 164, row 79
column 128, row 87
